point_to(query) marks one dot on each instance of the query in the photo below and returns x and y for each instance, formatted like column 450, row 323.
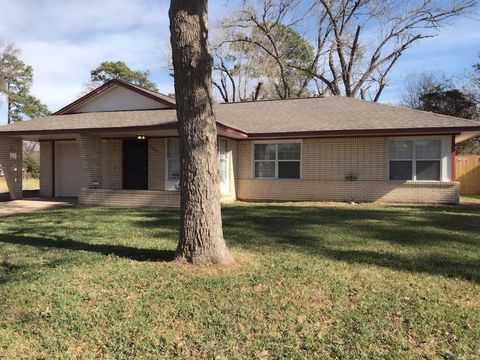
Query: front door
column 135, row 164
column 69, row 174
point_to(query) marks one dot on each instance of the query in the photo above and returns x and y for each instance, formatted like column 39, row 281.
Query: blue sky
column 64, row 40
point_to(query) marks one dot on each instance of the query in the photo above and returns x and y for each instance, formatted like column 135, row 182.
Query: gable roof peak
column 156, row 96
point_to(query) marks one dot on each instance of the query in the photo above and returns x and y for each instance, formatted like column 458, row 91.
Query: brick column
column 90, row 149
column 11, row 162
column 46, row 168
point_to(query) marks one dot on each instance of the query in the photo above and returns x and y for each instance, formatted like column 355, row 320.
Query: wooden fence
column 468, row 173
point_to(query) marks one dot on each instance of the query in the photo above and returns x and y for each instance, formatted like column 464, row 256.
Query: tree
column 15, row 83
column 449, row 102
column 109, row 70
column 475, row 80
column 429, row 93
column 201, row 235
column 247, row 62
column 356, row 42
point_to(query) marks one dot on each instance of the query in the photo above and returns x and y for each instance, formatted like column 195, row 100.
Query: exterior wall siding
column 156, row 163
column 130, row 198
column 11, row 163
column 120, row 99
column 358, row 191
column 325, row 164
column 91, row 158
column 112, row 164
column 46, row 169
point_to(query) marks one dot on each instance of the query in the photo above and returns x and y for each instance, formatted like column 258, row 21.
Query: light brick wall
column 333, row 159
column 90, row 150
column 358, row 191
column 46, row 168
column 326, row 162
column 130, row 198
column 156, row 163
column 11, row 162
column 112, row 168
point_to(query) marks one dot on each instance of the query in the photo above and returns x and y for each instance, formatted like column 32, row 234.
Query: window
column 223, row 164
column 277, row 161
column 415, row 160
column 173, row 163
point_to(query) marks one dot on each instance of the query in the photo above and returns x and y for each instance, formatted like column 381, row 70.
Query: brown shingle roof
column 334, row 113
column 329, row 114
column 94, row 120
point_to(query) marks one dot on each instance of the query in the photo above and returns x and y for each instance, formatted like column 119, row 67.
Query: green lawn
column 312, row 282
column 470, row 199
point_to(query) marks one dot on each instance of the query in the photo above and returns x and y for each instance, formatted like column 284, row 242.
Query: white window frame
column 445, row 156
column 253, row 161
column 170, row 184
column 224, row 188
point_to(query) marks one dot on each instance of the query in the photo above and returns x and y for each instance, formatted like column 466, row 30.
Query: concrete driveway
column 31, row 205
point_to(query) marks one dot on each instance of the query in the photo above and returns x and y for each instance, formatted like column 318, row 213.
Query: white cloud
column 64, row 40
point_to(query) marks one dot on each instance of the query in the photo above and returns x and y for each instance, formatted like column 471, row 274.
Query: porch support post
column 90, row 149
column 453, row 166
column 11, row 162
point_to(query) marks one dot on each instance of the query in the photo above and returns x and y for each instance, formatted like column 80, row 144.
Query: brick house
column 118, row 146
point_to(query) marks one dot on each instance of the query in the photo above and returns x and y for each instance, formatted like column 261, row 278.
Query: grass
column 470, row 199
column 311, row 282
column 30, row 189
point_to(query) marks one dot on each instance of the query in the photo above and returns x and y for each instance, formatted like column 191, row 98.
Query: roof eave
column 362, row 133
column 259, row 136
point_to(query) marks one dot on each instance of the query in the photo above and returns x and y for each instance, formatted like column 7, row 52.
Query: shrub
column 32, row 167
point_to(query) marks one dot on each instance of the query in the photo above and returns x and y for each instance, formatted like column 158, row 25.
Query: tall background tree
column 251, row 65
column 438, row 94
column 15, row 84
column 201, row 236
column 109, row 70
column 355, row 43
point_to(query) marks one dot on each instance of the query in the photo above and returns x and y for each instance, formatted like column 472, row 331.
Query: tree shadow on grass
column 5, row 196
column 434, row 240
column 132, row 253
column 432, row 264
column 416, row 240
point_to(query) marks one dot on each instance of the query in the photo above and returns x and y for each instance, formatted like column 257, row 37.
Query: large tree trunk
column 201, row 236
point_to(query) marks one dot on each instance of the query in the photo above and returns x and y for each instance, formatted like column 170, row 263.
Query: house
column 118, row 146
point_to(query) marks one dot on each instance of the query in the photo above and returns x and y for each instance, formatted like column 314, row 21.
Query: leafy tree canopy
column 15, row 83
column 440, row 96
column 451, row 102
column 255, row 65
column 109, row 70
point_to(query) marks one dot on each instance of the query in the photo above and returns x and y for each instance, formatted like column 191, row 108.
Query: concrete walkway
column 31, row 205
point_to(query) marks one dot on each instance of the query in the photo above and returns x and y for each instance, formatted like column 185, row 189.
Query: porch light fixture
column 141, row 137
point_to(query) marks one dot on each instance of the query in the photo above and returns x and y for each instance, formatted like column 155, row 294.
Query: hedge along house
column 118, row 146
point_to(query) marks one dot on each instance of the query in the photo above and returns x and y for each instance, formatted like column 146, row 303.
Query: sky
column 64, row 39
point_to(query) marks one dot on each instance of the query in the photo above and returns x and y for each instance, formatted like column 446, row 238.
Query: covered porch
column 129, row 168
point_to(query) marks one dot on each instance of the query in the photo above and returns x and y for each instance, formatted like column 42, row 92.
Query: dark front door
column 135, row 164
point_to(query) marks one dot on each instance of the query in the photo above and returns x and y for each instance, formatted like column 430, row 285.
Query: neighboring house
column 118, row 146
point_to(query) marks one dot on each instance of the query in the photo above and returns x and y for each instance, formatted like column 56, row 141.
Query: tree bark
column 201, row 236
